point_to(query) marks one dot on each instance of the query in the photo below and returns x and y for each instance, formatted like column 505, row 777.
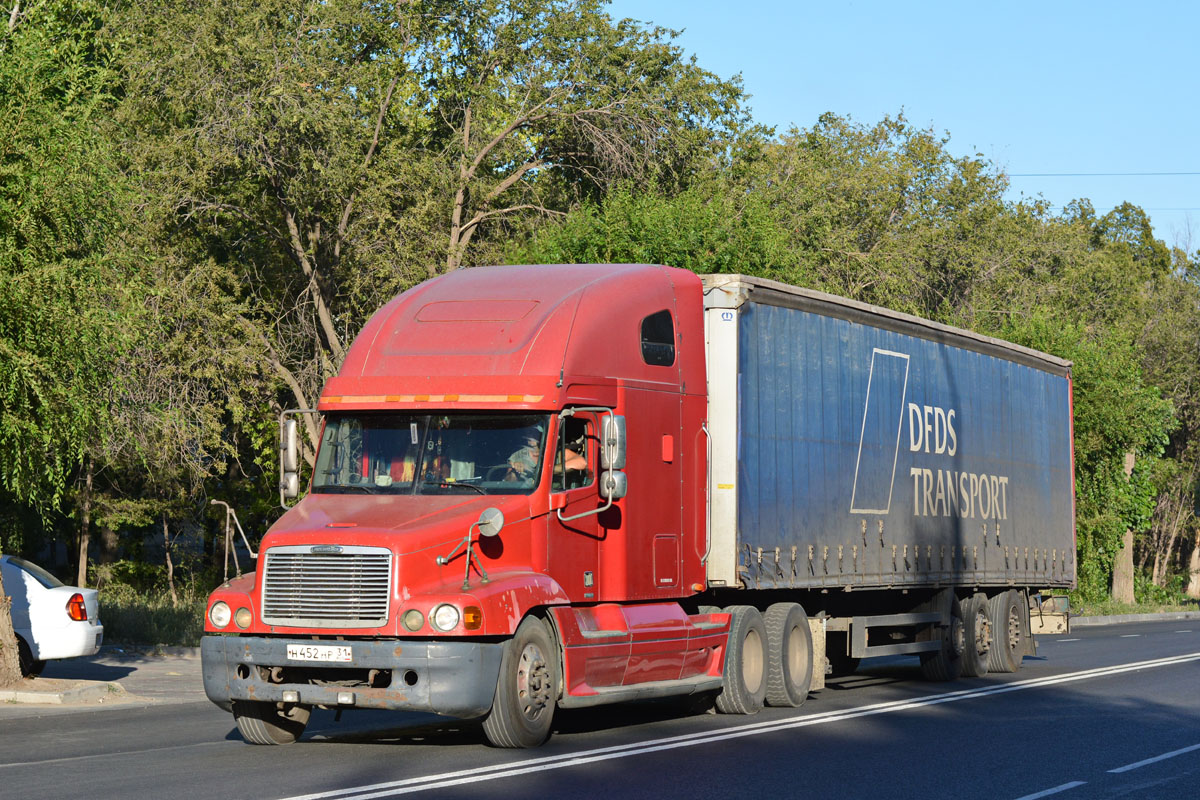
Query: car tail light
column 76, row 609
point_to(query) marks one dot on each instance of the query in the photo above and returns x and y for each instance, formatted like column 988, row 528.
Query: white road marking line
column 1066, row 640
column 1055, row 790
column 1130, row 635
column 478, row 774
column 1187, row 631
column 1163, row 757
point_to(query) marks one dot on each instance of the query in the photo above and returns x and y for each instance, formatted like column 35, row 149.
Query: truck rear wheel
column 1008, row 628
column 946, row 663
column 977, row 635
column 744, row 676
column 789, row 655
column 265, row 723
column 526, row 690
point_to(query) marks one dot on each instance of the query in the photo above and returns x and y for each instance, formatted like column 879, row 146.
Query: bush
column 133, row 618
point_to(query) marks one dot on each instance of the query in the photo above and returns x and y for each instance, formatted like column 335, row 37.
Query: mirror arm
column 570, row 412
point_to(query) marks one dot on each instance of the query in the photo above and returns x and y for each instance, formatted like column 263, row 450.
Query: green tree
column 330, row 155
column 62, row 281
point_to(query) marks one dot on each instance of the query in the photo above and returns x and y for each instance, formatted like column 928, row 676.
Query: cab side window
column 658, row 339
column 572, row 456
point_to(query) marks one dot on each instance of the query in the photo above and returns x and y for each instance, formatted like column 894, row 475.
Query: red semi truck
column 565, row 486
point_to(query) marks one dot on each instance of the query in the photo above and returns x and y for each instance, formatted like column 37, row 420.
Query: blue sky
column 1045, row 87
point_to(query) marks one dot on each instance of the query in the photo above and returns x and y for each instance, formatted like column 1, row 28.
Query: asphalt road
column 1106, row 712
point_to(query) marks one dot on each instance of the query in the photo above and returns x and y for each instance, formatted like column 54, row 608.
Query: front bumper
column 456, row 679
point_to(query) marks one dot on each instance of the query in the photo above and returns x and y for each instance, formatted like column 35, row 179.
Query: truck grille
column 347, row 589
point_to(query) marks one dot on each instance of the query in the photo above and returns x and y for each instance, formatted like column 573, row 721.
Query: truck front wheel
column 265, row 723
column 526, row 690
column 744, row 679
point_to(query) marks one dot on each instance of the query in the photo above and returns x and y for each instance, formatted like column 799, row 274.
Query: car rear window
column 43, row 577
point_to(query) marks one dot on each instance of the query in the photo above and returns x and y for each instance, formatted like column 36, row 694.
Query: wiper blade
column 453, row 484
column 346, row 488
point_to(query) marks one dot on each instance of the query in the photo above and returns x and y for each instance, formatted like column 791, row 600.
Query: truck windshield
column 380, row 453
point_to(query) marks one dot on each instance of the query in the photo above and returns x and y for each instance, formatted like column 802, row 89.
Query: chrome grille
column 349, row 589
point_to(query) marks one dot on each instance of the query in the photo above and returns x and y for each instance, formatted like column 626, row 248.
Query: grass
column 150, row 619
column 1109, row 607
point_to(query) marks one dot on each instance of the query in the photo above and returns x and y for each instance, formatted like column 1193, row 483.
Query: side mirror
column 612, row 442
column 613, row 485
column 289, row 445
column 289, row 455
column 490, row 522
column 289, row 460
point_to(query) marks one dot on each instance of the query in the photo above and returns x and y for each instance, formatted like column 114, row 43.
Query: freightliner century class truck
column 565, row 486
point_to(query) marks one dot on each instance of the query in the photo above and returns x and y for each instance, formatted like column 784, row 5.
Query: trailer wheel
column 789, row 655
column 946, row 663
column 265, row 723
column 526, row 689
column 744, row 676
column 977, row 635
column 1008, row 631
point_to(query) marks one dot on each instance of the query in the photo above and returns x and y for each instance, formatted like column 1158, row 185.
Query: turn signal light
column 76, row 609
column 472, row 618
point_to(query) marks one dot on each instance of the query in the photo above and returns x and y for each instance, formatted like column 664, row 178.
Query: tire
column 526, row 690
column 977, row 636
column 789, row 655
column 744, row 675
column 840, row 664
column 30, row 667
column 946, row 663
column 264, row 723
column 1008, row 632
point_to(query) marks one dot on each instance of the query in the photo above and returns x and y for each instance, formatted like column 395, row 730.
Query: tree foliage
column 200, row 206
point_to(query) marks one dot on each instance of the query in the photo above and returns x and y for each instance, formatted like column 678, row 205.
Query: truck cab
column 474, row 481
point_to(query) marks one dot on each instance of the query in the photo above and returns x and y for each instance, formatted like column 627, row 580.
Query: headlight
column 243, row 618
column 219, row 615
column 413, row 620
column 444, row 617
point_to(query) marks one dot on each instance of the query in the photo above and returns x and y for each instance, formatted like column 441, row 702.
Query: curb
column 80, row 692
column 1118, row 619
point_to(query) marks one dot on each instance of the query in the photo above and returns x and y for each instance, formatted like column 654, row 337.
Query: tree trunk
column 10, row 663
column 1193, row 587
column 1122, row 579
column 84, row 527
column 170, row 564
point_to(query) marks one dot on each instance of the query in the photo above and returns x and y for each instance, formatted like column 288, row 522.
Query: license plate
column 318, row 652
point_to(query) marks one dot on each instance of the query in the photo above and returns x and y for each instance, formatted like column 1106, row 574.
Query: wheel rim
column 753, row 661
column 958, row 638
column 1014, row 628
column 533, row 682
column 983, row 633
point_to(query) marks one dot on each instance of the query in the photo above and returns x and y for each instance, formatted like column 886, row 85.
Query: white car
column 51, row 620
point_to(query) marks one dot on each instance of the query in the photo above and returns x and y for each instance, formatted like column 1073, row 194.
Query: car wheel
column 30, row 667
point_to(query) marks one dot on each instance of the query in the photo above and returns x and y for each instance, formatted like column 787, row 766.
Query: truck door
column 573, row 544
